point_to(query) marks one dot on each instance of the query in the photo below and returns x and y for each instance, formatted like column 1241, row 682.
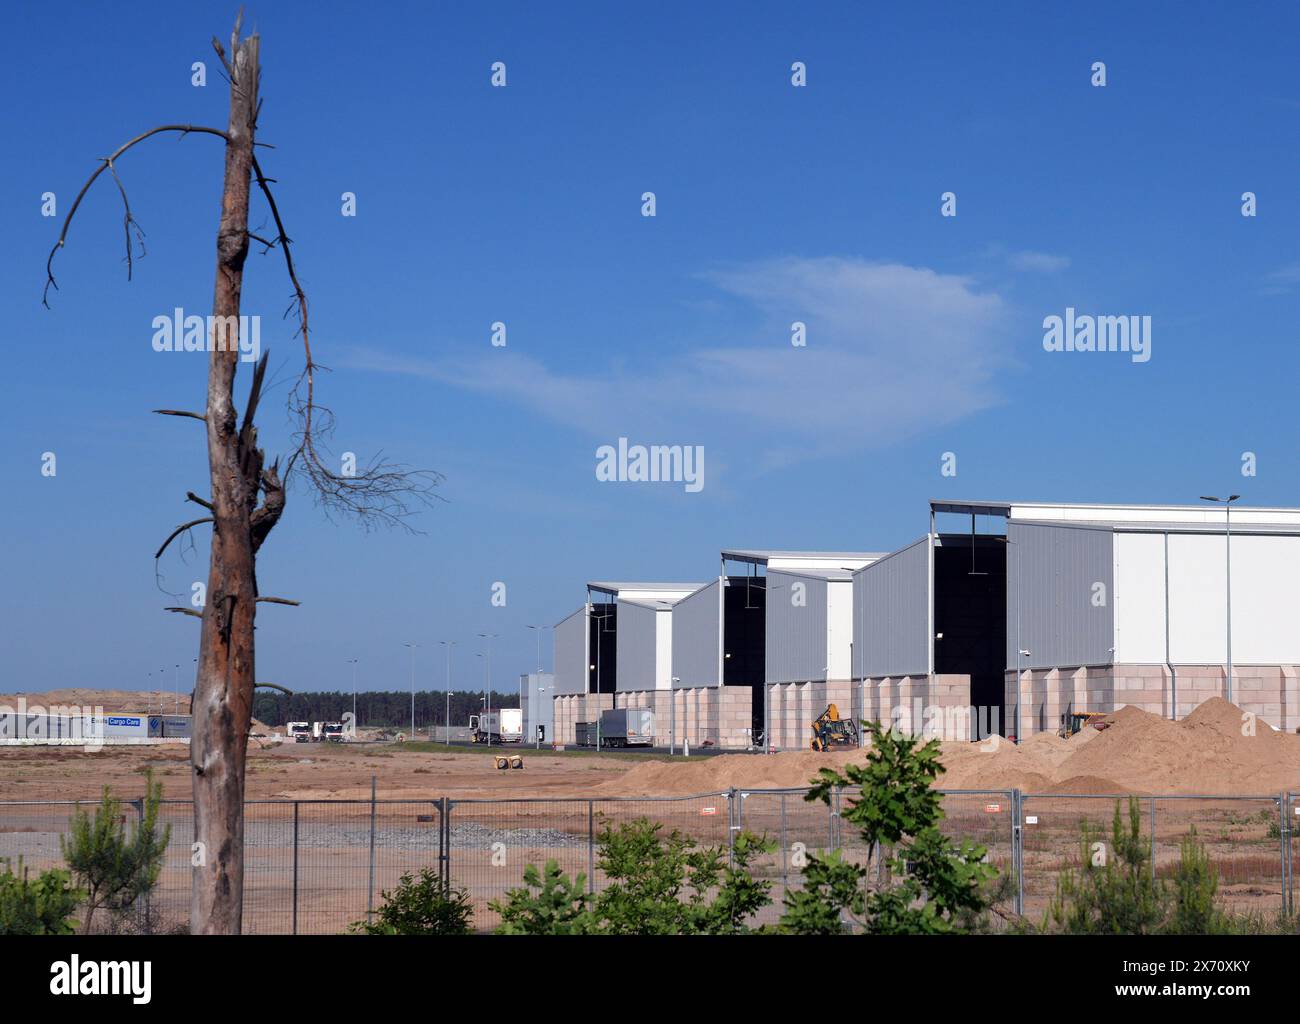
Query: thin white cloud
column 891, row 350
column 1282, row 280
column 1037, row 262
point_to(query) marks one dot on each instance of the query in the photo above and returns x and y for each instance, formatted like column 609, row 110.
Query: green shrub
column 657, row 884
column 426, row 905
column 115, row 870
column 43, row 907
column 915, row 880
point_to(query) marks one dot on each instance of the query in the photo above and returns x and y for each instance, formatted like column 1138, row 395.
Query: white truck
column 299, row 732
column 332, row 732
column 503, row 726
column 627, row 727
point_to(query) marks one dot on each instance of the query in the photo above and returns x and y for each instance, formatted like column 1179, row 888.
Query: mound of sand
column 1216, row 749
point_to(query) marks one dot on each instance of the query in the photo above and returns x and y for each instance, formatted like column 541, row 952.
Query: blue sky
column 523, row 205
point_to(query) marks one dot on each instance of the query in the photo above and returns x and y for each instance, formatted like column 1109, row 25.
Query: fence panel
column 317, row 866
column 1052, row 838
column 490, row 842
column 795, row 827
column 1242, row 837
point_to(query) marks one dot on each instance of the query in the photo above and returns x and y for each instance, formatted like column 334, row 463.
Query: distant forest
column 376, row 709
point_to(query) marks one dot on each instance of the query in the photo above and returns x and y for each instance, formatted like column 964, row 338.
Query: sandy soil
column 1137, row 753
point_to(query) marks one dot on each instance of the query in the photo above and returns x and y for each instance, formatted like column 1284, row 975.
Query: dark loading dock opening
column 970, row 620
column 744, row 634
column 602, row 652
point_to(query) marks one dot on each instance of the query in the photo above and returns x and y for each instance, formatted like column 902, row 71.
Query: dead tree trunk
column 223, row 699
column 222, row 703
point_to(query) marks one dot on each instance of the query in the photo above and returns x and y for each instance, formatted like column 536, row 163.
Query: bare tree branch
column 178, row 531
column 191, row 496
column 279, row 600
column 107, row 163
column 185, row 611
column 381, row 493
column 181, row 412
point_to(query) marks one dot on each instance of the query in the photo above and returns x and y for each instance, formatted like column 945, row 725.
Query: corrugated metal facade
column 697, row 626
column 571, row 653
column 796, row 627
column 891, row 614
column 638, row 632
column 1055, row 607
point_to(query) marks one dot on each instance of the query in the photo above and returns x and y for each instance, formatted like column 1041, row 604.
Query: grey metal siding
column 1052, row 577
column 696, row 631
column 795, row 633
column 637, row 632
column 891, row 614
column 571, row 653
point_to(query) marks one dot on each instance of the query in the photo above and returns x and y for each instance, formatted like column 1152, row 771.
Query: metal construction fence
column 316, row 866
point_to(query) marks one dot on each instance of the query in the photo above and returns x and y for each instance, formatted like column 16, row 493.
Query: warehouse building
column 771, row 617
column 616, row 651
column 1043, row 609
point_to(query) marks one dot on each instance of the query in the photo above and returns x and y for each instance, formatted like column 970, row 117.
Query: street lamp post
column 449, row 644
column 1227, row 520
column 489, row 637
column 672, row 715
column 412, row 646
column 353, row 663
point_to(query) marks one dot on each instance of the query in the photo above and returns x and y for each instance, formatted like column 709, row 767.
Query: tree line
column 376, row 708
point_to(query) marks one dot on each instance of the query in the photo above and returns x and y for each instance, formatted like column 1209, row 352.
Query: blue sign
column 124, row 721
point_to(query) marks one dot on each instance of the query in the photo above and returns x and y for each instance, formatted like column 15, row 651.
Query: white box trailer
column 119, row 725
column 503, row 726
column 627, row 727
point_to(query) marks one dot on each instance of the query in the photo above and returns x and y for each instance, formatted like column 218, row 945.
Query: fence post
column 732, row 811
column 1153, row 840
column 148, row 900
column 1288, row 812
column 370, row 889
column 295, row 867
column 591, row 846
column 444, row 840
column 1018, row 847
column 785, row 870
column 1284, row 841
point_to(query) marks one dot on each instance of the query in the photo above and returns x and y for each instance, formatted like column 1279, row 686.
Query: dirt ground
column 1212, row 751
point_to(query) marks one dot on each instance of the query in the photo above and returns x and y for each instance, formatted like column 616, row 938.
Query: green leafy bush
column 424, row 905
column 657, row 884
column 915, row 880
column 115, row 870
column 41, row 907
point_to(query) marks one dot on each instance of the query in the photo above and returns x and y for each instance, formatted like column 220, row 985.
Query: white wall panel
column 1197, row 601
column 1139, row 598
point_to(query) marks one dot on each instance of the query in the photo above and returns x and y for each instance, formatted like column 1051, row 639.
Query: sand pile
column 723, row 771
column 1211, row 751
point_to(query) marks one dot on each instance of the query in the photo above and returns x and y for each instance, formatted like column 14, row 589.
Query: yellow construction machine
column 830, row 730
column 1077, row 721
